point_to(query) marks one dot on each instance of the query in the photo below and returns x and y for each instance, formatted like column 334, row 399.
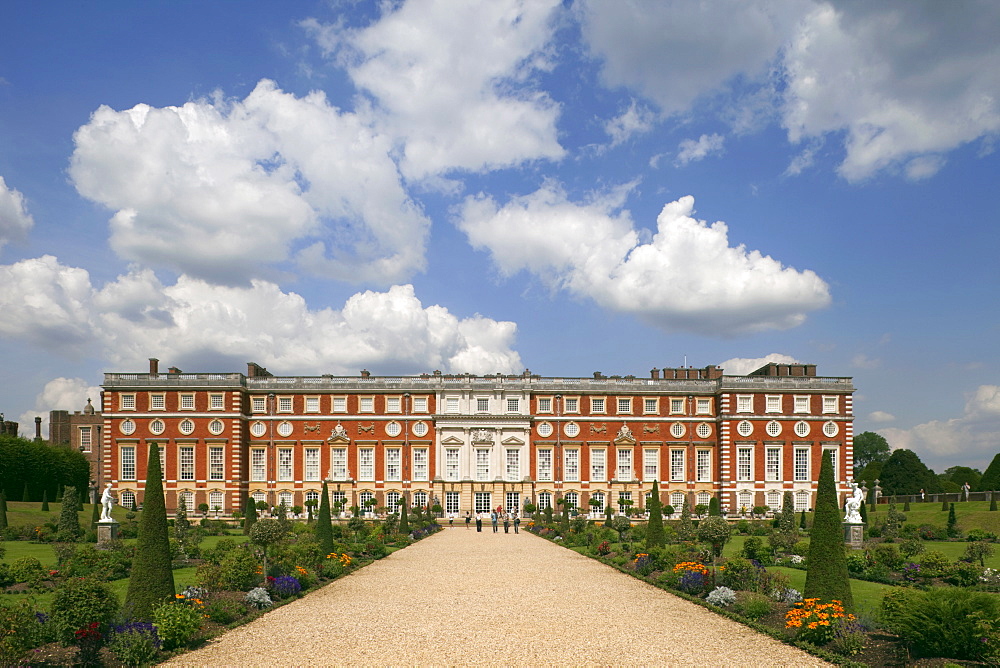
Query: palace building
column 468, row 442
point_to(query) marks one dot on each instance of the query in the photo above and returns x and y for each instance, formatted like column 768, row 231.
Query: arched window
column 677, row 501
column 128, row 499
column 544, row 500
column 597, row 508
column 392, row 501
column 572, row 500
column 802, row 501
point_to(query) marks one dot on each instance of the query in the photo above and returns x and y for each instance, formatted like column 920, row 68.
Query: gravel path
column 462, row 598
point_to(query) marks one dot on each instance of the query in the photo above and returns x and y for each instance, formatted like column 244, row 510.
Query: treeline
column 30, row 470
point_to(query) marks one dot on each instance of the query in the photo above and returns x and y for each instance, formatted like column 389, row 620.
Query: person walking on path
column 479, row 522
column 494, row 518
column 506, row 523
column 468, row 519
column 517, row 522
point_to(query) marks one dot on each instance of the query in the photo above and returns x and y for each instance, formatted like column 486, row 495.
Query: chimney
column 38, row 428
column 598, row 374
column 365, row 373
column 654, row 374
column 154, row 366
column 174, row 370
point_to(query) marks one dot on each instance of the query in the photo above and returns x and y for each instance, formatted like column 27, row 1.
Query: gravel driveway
column 462, row 598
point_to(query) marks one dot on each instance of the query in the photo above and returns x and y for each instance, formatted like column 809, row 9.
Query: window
column 313, row 495
column 366, row 464
column 127, row 427
column 258, row 404
column 744, row 403
column 451, row 500
column 127, row 468
column 157, row 402
column 420, row 429
column 312, row 405
column 744, row 464
column 482, row 405
column 624, row 500
column 703, row 461
column 650, row 464
column 126, row 402
column 544, row 500
column 677, row 465
column 284, row 404
column 163, row 463
column 186, row 402
column 572, row 405
column 420, row 464
column 157, row 427
column 773, row 428
column 513, row 464
column 420, row 499
column 830, row 404
column 833, row 460
column 545, row 429
column 393, row 405
column 774, row 500
column 393, row 429
column 704, row 430
column 773, row 403
column 624, row 405
column 367, row 405
column 451, row 463
column 744, row 499
column 545, row 465
column 186, row 427
column 744, row 428
column 338, row 463
column 597, row 507
column 677, row 430
column 216, row 463
column 216, row 402
column 484, row 501
column 650, row 406
column 186, row 463
column 545, row 405
column 258, row 429
column 572, row 500
column 677, row 501
column 802, row 501
column 513, row 405
column 284, row 429
column 188, row 499
column 597, row 405
column 482, row 464
column 598, row 465
column 258, row 496
column 340, row 404
column 830, row 429
column 703, row 498
column 285, row 464
column 335, row 498
column 703, row 406
column 571, row 467
column 85, row 439
column 451, row 404
column 513, row 500
column 801, row 464
column 624, row 465
column 801, row 404
column 419, row 404
column 312, row 464
column 801, row 428
column 216, row 427
column 393, row 464
column 286, row 499
column 571, row 429
column 128, row 499
column 392, row 501
column 258, row 465
column 772, row 464
column 365, row 500
column 677, row 406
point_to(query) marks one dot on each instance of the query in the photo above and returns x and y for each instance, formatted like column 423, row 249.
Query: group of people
column 496, row 516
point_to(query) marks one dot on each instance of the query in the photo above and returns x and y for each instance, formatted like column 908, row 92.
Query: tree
column 993, row 506
column 267, row 533
column 713, row 507
column 961, row 475
column 991, row 477
column 404, row 521
column 151, row 581
column 869, row 447
column 69, row 521
column 251, row 515
column 904, row 473
column 786, row 521
column 324, row 526
column 827, row 577
column 685, row 530
column 869, row 474
column 95, row 514
column 715, row 531
column 3, row 510
column 45, row 501
column 952, row 529
column 654, row 526
column 310, row 504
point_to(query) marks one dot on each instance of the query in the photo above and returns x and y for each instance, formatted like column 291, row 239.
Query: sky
column 497, row 185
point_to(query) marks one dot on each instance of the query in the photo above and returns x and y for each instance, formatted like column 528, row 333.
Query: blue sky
column 490, row 186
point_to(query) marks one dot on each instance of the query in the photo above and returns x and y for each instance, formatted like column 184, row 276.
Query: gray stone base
column 854, row 535
column 107, row 531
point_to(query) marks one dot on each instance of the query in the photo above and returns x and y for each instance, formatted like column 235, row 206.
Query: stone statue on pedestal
column 107, row 503
column 853, row 505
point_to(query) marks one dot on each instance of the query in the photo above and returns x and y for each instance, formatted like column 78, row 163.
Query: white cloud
column 881, row 416
column 199, row 324
column 686, row 278
column 635, row 120
column 15, row 221
column 229, row 190
column 58, row 394
column 691, row 150
column 741, row 366
column 862, row 361
column 453, row 80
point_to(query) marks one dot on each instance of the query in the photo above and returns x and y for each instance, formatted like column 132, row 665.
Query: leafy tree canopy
column 991, row 478
column 870, row 473
column 961, row 475
column 869, row 447
column 904, row 473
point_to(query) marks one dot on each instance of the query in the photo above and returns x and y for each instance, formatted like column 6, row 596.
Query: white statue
column 853, row 505
column 107, row 503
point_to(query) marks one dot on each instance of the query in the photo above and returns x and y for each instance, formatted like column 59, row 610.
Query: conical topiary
column 151, row 581
column 993, row 503
column 3, row 510
column 404, row 522
column 654, row 526
column 45, row 500
column 95, row 515
column 826, row 577
column 324, row 526
column 713, row 507
column 250, row 517
column 69, row 520
column 25, row 497
column 685, row 529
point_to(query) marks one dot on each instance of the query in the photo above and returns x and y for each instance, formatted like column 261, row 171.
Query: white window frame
column 216, row 401
column 312, row 404
column 650, row 405
column 451, row 405
column 338, row 463
column 544, row 405
column 677, row 464
column 482, row 404
column 772, row 403
column 772, row 463
column 127, row 467
column 624, row 405
column 216, row 499
column 650, row 464
column 157, row 401
column 623, row 465
column 831, row 405
column 419, row 405
column 744, row 463
column 185, row 401
column 598, row 465
column 801, row 466
column 216, row 462
column 482, row 464
column 126, row 401
column 185, row 463
column 286, row 465
column 833, row 460
column 744, row 403
column 598, row 405
column 571, row 464
column 801, row 404
column 393, row 464
column 86, row 438
column 366, row 404
column 258, row 404
column 421, row 464
column 452, row 502
column 544, row 464
column 285, row 404
column 338, row 404
column 258, row 465
column 703, row 406
column 393, row 404
column 703, row 465
column 677, row 405
column 452, row 463
column 311, row 460
column 513, row 405
column 571, row 405
column 366, row 464
column 483, row 502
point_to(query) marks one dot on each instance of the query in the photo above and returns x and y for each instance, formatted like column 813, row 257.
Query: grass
column 969, row 514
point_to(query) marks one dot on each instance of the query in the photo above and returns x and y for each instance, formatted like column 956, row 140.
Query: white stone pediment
column 512, row 440
column 452, row 440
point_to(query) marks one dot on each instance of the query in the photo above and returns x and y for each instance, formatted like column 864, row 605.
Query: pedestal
column 106, row 532
column 854, row 535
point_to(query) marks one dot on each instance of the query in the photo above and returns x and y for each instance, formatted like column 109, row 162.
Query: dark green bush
column 934, row 564
column 964, row 574
column 950, row 622
column 79, row 602
column 888, row 555
column 224, row 611
column 753, row 605
column 28, row 569
column 239, row 570
column 19, row 631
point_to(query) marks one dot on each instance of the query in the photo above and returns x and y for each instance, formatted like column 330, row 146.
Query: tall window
column 677, row 501
column 704, row 465
column 312, row 464
column 451, row 463
column 513, row 464
column 833, row 460
column 484, row 502
column 188, row 498
column 624, row 469
column 677, row 465
column 744, row 464
column 258, row 465
column 392, row 501
column 216, row 463
column 366, row 464
column 85, row 440
column 312, row 495
column 127, row 467
column 186, row 463
column 802, row 501
column 774, row 500
column 624, row 499
column 482, row 464
column 598, row 507
column 544, row 500
column 772, row 464
column 420, row 464
column 335, row 498
column 286, row 498
column 285, row 464
column 513, row 502
column 571, row 467
column 650, row 464
column 451, row 500
column 598, row 465
column 393, row 464
column 802, row 464
column 545, row 464
column 364, row 500
column 338, row 463
column 163, row 463
column 572, row 500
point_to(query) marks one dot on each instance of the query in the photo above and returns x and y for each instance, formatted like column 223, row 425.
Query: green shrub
column 964, row 574
column 754, row 548
column 113, row 562
column 952, row 623
column 19, row 631
column 239, row 570
column 934, row 564
column 742, row 575
column 28, row 569
column 979, row 551
column 225, row 611
column 135, row 644
column 888, row 555
column 894, row 602
column 753, row 605
column 911, row 548
column 981, row 534
column 79, row 602
column 178, row 623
